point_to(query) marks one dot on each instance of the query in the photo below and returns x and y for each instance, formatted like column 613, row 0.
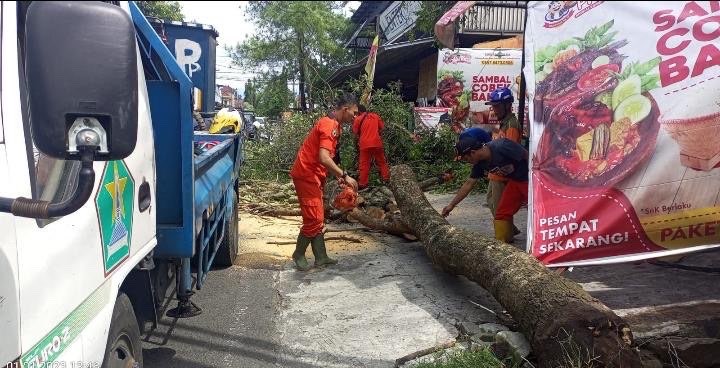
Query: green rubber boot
column 299, row 254
column 318, row 249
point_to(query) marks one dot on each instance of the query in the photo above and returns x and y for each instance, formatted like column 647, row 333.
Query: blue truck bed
column 196, row 194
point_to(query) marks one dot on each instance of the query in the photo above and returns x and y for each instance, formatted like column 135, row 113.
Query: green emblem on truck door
column 114, row 203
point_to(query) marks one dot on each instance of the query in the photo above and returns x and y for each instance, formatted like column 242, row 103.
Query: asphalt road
column 236, row 328
column 385, row 300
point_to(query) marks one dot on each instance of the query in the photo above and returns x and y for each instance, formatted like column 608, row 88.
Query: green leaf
column 166, row 10
column 594, row 32
column 628, row 70
column 457, row 74
column 647, row 66
column 650, row 82
column 605, row 27
column 547, row 53
column 605, row 40
column 597, row 36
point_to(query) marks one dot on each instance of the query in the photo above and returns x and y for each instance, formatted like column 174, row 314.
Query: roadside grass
column 468, row 359
column 575, row 356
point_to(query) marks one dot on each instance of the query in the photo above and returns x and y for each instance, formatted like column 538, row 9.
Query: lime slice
column 636, row 108
column 539, row 76
column 606, row 98
column 548, row 68
column 600, row 60
column 629, row 87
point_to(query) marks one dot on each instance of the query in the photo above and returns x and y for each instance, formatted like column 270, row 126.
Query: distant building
column 229, row 97
column 410, row 57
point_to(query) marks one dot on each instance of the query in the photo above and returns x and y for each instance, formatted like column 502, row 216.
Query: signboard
column 194, row 48
column 625, row 141
column 398, row 18
column 430, row 117
column 466, row 77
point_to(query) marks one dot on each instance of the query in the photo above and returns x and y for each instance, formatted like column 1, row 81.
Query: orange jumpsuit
column 309, row 174
column 367, row 127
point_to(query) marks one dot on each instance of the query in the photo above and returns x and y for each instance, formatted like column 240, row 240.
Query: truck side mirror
column 82, row 81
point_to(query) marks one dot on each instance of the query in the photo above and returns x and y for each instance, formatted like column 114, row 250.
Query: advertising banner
column 466, row 77
column 625, row 129
column 431, row 117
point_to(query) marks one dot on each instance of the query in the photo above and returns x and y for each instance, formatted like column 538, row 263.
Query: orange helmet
column 346, row 200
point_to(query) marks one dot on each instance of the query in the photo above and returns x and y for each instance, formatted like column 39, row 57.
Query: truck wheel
column 124, row 348
column 228, row 250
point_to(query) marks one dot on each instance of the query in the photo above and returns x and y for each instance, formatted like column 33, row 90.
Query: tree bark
column 390, row 225
column 554, row 313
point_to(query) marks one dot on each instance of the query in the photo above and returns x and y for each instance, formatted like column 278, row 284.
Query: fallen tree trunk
column 391, row 226
column 393, row 223
column 560, row 319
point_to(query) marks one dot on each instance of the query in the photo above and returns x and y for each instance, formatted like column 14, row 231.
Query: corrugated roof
column 388, row 57
column 369, row 9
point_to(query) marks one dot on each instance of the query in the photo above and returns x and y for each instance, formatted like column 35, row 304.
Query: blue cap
column 500, row 95
column 478, row 134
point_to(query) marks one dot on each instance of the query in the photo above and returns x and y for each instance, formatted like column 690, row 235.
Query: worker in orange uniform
column 368, row 127
column 312, row 164
column 500, row 102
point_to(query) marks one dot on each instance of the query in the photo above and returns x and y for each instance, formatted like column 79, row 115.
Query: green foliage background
column 430, row 152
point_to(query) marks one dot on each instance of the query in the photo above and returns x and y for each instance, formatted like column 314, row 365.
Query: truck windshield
column 51, row 179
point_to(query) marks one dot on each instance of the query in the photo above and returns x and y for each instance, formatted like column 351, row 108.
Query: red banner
column 625, row 129
column 445, row 26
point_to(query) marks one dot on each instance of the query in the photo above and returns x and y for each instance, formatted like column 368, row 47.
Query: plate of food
column 600, row 120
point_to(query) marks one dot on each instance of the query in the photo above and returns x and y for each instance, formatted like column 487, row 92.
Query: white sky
column 228, row 18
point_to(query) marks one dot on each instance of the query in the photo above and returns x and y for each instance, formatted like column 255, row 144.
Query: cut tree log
column 560, row 319
column 379, row 210
column 389, row 225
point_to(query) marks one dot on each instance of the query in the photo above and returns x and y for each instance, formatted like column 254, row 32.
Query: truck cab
column 104, row 201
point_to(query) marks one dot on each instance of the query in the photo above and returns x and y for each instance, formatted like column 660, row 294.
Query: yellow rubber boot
column 503, row 230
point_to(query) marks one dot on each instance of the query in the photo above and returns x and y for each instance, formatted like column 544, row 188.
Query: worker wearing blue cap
column 501, row 157
column 477, row 133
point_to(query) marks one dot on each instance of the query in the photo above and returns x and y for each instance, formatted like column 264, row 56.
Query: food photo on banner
column 466, row 77
column 625, row 129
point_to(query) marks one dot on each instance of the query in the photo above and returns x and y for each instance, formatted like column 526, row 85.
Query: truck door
column 71, row 267
column 9, row 289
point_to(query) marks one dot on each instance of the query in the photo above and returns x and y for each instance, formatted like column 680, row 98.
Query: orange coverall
column 367, row 127
column 309, row 174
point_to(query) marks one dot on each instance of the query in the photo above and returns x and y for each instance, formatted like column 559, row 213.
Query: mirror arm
column 25, row 207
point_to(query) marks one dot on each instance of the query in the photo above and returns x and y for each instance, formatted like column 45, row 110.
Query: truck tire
column 228, row 250
column 124, row 348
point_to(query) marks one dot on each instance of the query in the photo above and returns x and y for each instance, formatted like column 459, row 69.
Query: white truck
column 105, row 198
